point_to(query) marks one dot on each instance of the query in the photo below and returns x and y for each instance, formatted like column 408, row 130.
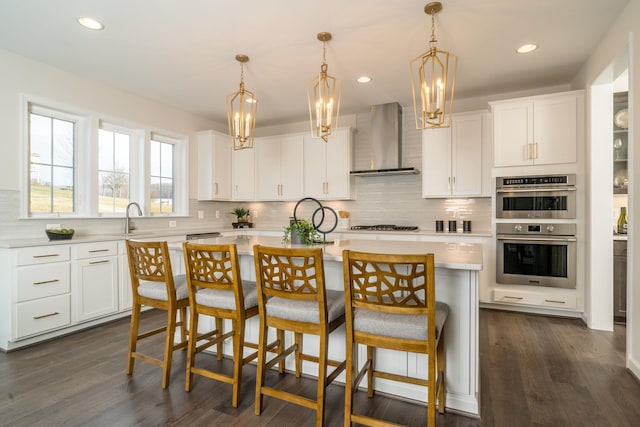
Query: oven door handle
column 535, row 190
column 536, row 239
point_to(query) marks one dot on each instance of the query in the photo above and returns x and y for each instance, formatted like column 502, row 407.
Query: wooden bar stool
column 292, row 297
column 390, row 303
column 154, row 285
column 216, row 289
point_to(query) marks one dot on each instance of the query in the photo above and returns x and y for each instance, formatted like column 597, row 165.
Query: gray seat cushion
column 226, row 299
column 158, row 290
column 409, row 326
column 306, row 311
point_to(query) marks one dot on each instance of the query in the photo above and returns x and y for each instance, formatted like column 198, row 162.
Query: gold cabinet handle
column 55, row 313
column 536, row 151
column 93, row 251
column 99, row 262
column 555, row 301
column 215, row 191
column 46, row 282
column 45, row 256
column 509, row 297
column 529, row 157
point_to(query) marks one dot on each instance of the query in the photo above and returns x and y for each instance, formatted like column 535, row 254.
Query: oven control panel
column 563, row 229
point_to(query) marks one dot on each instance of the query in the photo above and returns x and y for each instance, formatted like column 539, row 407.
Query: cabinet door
column 96, row 290
column 555, row 130
column 466, row 158
column 436, row 162
column 513, row 133
column 291, row 167
column 243, row 174
column 268, row 182
column 315, row 165
column 214, row 166
column 338, row 165
column 124, row 285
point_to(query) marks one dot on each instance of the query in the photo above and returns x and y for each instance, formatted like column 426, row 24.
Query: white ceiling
column 182, row 53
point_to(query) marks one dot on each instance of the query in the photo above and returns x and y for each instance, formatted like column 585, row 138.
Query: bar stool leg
column 133, row 336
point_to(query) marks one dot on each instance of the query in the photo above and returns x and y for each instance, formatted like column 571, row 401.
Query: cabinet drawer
column 37, row 316
column 619, row 248
column 94, row 250
column 42, row 254
column 43, row 281
column 548, row 298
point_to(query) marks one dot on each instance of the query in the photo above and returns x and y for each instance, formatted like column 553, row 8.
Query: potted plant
column 300, row 232
column 241, row 214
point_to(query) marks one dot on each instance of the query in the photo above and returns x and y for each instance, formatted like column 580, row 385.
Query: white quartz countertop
column 458, row 256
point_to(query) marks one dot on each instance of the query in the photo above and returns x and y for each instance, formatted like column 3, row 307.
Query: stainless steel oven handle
column 537, row 239
column 534, row 190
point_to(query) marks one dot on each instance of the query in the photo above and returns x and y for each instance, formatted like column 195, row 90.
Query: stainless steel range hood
column 385, row 145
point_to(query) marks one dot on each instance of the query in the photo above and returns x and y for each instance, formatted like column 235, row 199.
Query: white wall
column 624, row 35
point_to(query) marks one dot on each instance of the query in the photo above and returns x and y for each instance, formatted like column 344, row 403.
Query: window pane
column 51, row 145
column 113, row 176
column 155, row 158
column 40, row 139
column 62, row 143
column 166, row 159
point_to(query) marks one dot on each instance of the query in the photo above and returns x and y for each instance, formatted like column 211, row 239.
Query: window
column 76, row 164
column 162, row 172
column 51, row 162
column 113, row 170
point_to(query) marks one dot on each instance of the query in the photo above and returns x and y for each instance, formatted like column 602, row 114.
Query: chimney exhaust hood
column 385, row 145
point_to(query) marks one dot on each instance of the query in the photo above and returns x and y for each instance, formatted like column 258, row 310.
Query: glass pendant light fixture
column 433, row 76
column 323, row 92
column 241, row 112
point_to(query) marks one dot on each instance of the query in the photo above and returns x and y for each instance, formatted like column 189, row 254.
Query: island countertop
column 455, row 256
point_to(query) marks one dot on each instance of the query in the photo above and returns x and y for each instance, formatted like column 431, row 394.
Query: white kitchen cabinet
column 554, row 298
column 452, row 158
column 279, row 170
column 243, row 172
column 95, row 280
column 214, row 166
column 41, row 281
column 540, row 130
column 327, row 166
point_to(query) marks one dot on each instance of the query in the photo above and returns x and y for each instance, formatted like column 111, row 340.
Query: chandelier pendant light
column 241, row 112
column 323, row 92
column 433, row 76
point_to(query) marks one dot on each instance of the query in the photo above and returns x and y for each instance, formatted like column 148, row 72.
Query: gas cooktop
column 385, row 227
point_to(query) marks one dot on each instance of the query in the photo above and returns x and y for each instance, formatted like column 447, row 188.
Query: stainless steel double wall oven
column 536, row 252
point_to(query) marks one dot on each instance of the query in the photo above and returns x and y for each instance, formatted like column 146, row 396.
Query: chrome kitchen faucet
column 127, row 221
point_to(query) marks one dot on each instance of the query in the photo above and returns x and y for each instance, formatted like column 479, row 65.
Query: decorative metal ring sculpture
column 318, row 217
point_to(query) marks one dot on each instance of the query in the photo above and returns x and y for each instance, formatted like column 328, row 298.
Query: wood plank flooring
column 535, row 371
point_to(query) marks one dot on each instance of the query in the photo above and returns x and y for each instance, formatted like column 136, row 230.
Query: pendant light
column 241, row 112
column 323, row 92
column 433, row 76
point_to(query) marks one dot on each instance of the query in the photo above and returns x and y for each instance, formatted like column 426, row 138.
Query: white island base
column 457, row 274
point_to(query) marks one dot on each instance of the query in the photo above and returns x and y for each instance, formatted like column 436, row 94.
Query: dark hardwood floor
column 535, row 371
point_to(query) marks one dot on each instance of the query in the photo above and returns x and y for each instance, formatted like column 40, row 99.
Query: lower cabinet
column 95, row 285
column 566, row 299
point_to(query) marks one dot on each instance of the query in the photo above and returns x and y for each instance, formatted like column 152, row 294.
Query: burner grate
column 385, row 227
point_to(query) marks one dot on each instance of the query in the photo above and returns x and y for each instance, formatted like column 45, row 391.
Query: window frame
column 86, row 162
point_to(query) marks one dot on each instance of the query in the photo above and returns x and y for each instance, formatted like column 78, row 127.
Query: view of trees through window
column 51, row 187
column 113, row 171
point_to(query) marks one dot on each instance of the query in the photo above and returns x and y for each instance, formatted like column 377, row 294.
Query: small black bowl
column 57, row 235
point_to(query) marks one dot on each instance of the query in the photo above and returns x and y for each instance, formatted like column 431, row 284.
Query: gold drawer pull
column 555, row 301
column 46, row 256
column 55, row 313
column 46, row 282
column 508, row 297
column 98, row 250
column 100, row 262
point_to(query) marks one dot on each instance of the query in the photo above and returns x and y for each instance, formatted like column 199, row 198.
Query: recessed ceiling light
column 90, row 23
column 526, row 48
column 364, row 79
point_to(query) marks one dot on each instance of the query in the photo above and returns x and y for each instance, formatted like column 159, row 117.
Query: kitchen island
column 457, row 272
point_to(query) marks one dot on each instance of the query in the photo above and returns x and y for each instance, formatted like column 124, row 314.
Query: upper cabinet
column 454, row 159
column 541, row 130
column 243, row 174
column 620, row 142
column 279, row 168
column 327, row 166
column 214, row 166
